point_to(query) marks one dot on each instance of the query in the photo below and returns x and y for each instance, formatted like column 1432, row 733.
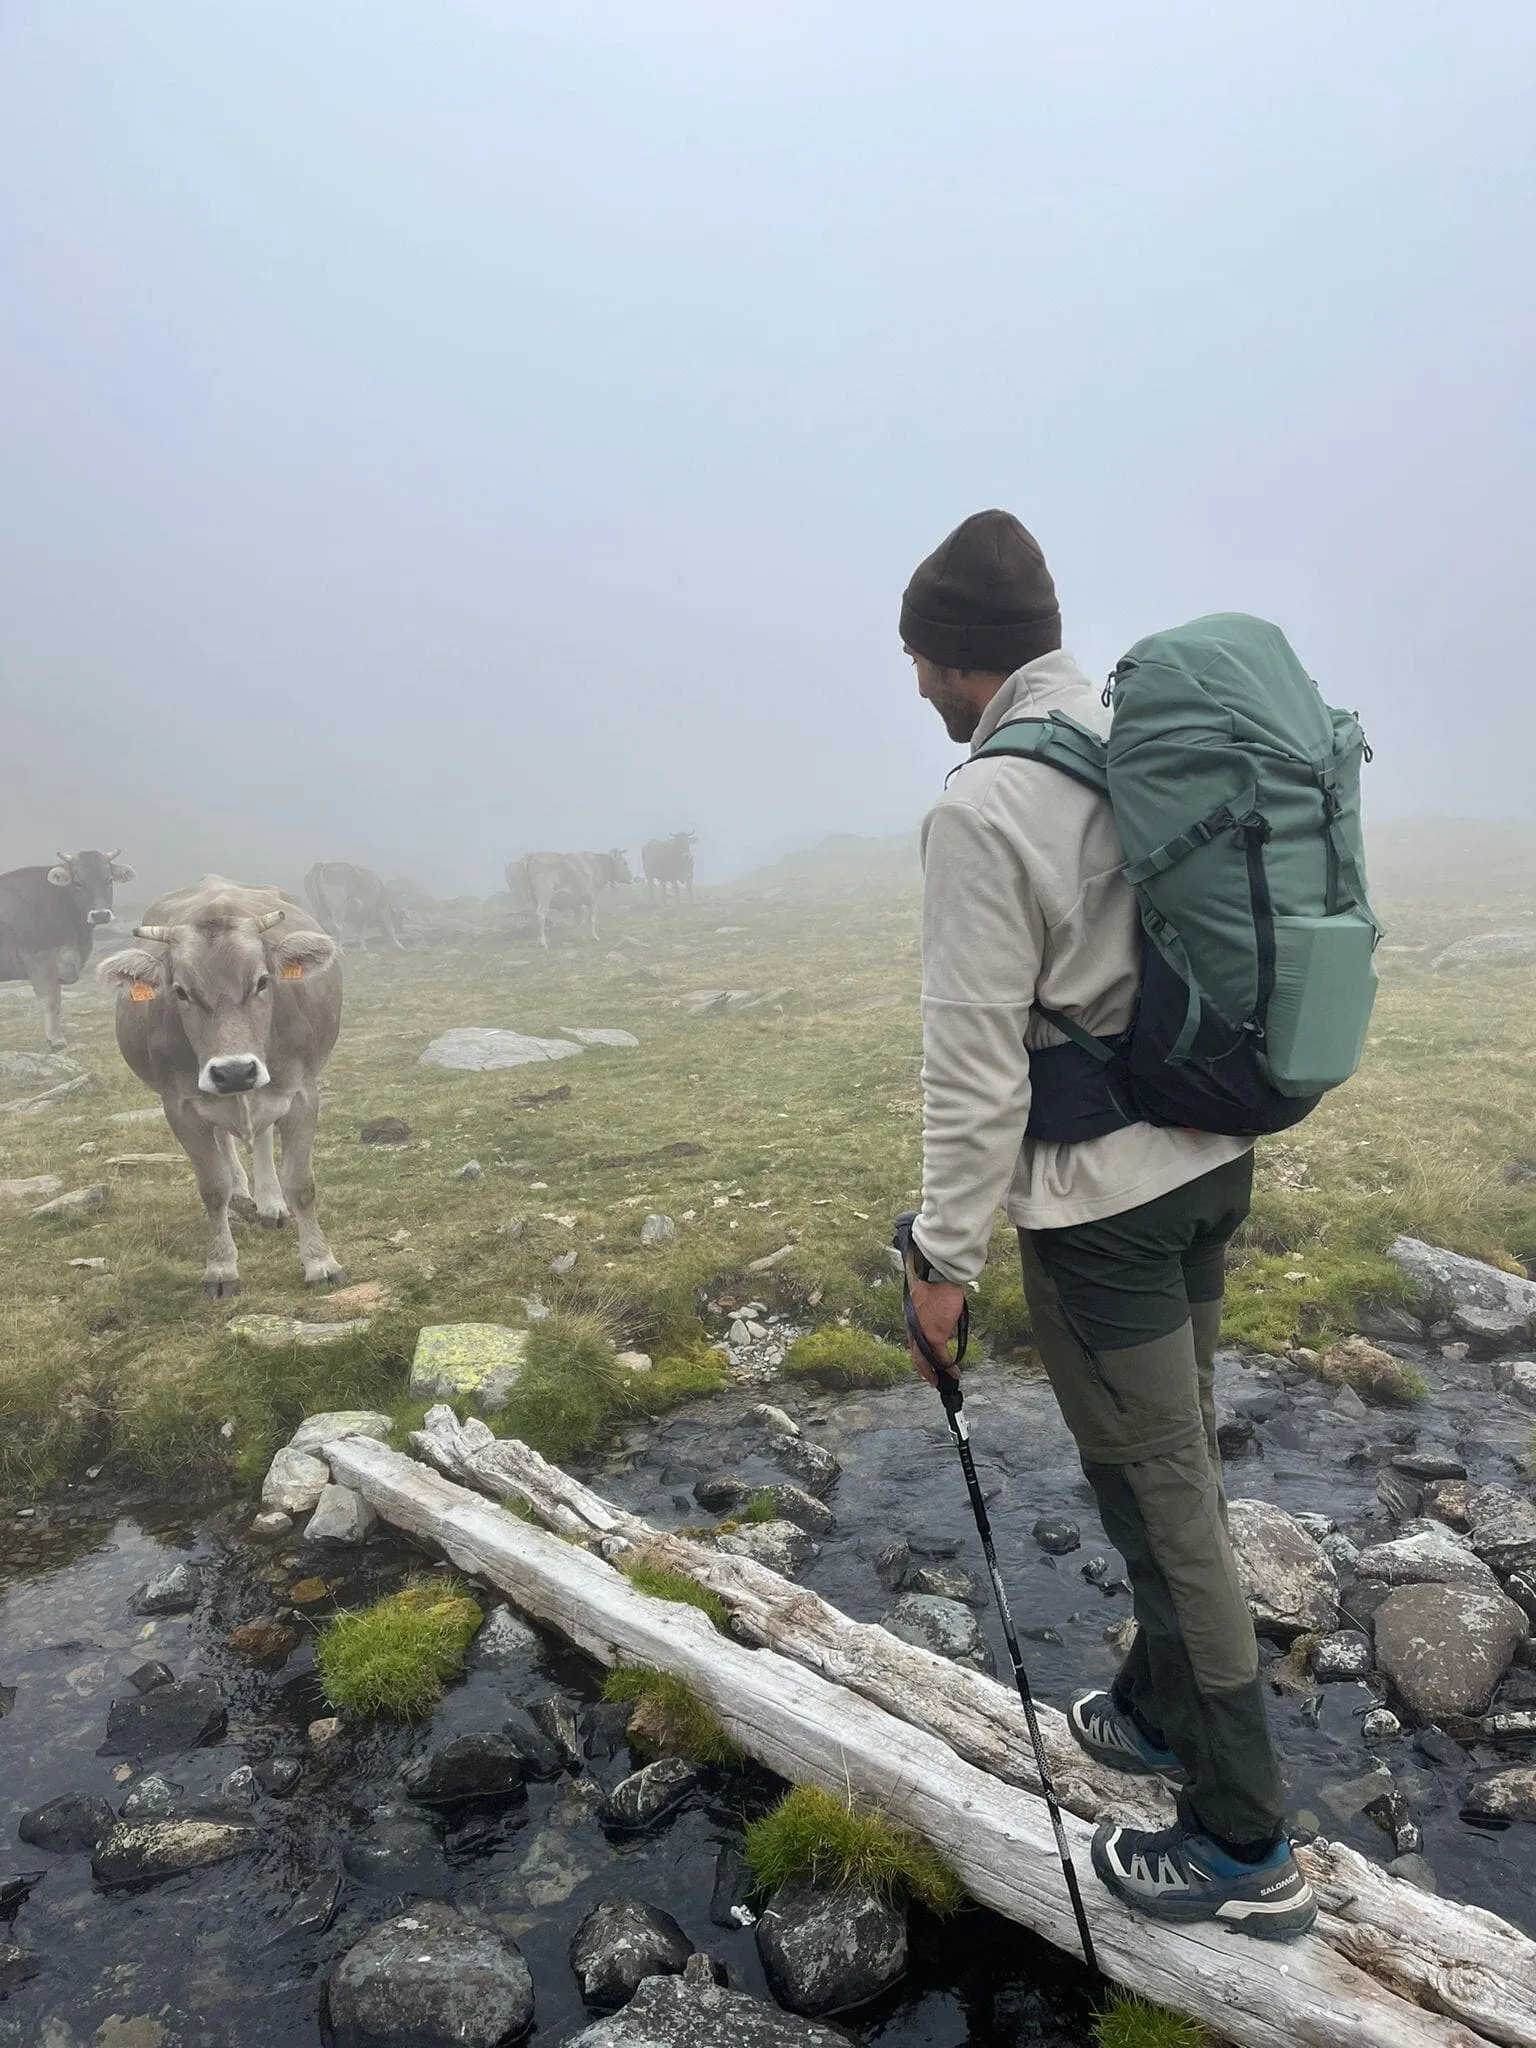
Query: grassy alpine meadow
column 790, row 1120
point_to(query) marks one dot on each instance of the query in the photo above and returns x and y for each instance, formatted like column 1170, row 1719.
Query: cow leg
column 541, row 916
column 592, row 920
column 296, row 1175
column 212, row 1155
column 44, row 977
column 271, row 1209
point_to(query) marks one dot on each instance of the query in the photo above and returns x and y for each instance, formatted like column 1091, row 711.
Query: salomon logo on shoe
column 1175, row 1874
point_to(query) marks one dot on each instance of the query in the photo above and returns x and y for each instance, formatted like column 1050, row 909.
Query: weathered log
column 1380, row 1945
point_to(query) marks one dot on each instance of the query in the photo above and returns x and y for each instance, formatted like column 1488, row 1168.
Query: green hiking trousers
column 1126, row 1313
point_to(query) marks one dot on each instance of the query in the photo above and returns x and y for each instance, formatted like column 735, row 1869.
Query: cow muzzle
column 99, row 917
column 233, row 1074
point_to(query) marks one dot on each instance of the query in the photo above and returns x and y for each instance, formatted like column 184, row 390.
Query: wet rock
column 946, row 1582
column 605, row 1728
column 1429, row 1556
column 453, row 1360
column 1444, row 1281
column 1056, row 1535
column 827, row 1948
column 153, row 1798
column 324, row 1733
column 1445, row 1648
column 891, row 1565
column 621, row 1941
column 468, row 1767
column 78, row 1202
column 341, row 1516
column 1348, row 1403
column 182, row 1715
column 385, row 1130
column 555, row 1718
column 336, row 1424
column 1346, row 1653
column 137, row 1851
column 657, row 1229
column 502, row 1638
column 1290, row 1586
column 731, row 1895
column 76, row 1820
column 1503, row 1795
column 312, row 1911
column 173, row 1591
column 1519, row 1379
column 543, row 1757
column 270, row 1524
column 812, row 1463
column 720, row 1492
column 641, row 1799
column 1490, row 1330
column 397, row 1852
column 1385, row 1323
column 1436, row 1747
column 1430, row 1461
column 946, row 1627
column 17, row 1967
column 1446, row 1501
column 1414, row 1869
column 1401, row 1497
column 1503, row 1528
column 1236, row 1436
column 781, row 1545
column 295, row 1481
column 794, row 1504
column 1340, row 1552
column 145, row 1677
column 671, row 2012
column 265, row 1645
column 1350, row 1796
column 277, row 1775
column 430, row 1979
column 1381, row 1725
column 775, row 1420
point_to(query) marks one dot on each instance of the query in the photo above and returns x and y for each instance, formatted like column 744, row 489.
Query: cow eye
column 181, row 994
column 263, row 983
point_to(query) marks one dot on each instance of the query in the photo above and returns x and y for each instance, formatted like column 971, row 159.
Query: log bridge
column 824, row 1700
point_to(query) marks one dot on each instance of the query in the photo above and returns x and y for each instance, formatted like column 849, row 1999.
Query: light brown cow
column 669, row 862
column 229, row 1011
column 340, row 892
column 580, row 878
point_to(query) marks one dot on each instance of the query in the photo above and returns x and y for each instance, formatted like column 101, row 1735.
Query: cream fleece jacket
column 1023, row 902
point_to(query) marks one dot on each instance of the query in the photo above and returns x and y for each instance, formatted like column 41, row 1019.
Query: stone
column 76, row 1820
column 892, row 1565
column 1354, row 1795
column 477, row 1050
column 294, row 1483
column 276, row 1775
column 1429, row 1461
column 1400, row 1496
column 1348, row 1403
column 30, row 1189
column 600, row 1034
column 1446, row 1501
column 145, row 1677
column 17, row 1967
column 454, row 1360
column 336, row 1425
column 430, row 1979
column 564, row 1262
column 1445, row 1648
column 182, row 1715
column 620, row 1942
column 78, row 1202
column 1290, row 1586
column 396, row 1852
column 811, row 1463
column 555, row 1718
column 775, row 1420
column 946, row 1627
column 634, row 1361
column 153, row 1798
column 385, row 1130
column 657, row 1229
column 781, row 1545
column 1518, row 1377
column 826, row 1948
column 1491, row 1330
column 771, row 1261
column 270, row 1524
column 470, row 1170
column 502, row 1638
column 1444, row 1281
column 38, row 1066
column 173, row 1591
column 1381, row 1725
column 266, row 1645
column 1503, row 1795
column 1340, row 1552
column 1503, row 1528
column 793, row 1504
column 946, row 1582
column 671, row 2012
column 543, row 1756
column 277, row 1333
column 642, row 1798
column 1346, row 1653
column 468, row 1767
column 1384, row 1322
column 322, row 1734
column 341, row 1516
column 1056, row 1536
column 1430, row 1555
column 138, row 1851
column 1414, row 1869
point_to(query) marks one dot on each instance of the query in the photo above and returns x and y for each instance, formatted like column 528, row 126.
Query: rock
column 457, row 1359
column 468, row 1767
column 1339, row 1551
column 397, row 1852
column 775, row 1420
column 634, row 1361
column 555, row 1718
column 1445, row 1648
column 1355, row 1795
column 323, row 1733
column 341, row 1516
column 270, row 1524
column 1290, row 1586
column 78, row 1202
column 470, row 1170
column 1446, row 1500
column 1430, row 1555
column 947, row 1582
column 38, row 1066
column 1369, row 1370
column 294, row 1483
column 145, row 1677
column 657, row 1229
column 564, row 1262
column 266, row 1645
column 1401, row 1497
column 781, row 1545
column 503, row 1637
column 276, row 1775
column 600, row 1034
column 31, row 1189
column 337, row 1424
column 1429, row 1461
column 1346, row 1653
column 137, row 1851
column 1347, row 1402
column 1056, row 1536
column 772, row 1260
column 277, row 1333
column 892, row 1564
column 1503, row 1795
column 76, row 1820
column 182, row 1715
column 385, row 1130
column 1381, row 1725
column 946, row 1627
column 1414, row 1870
column 1384, row 1322
column 722, row 1491
column 1491, row 1330
column 647, row 1794
column 173, row 1591
column 89, row 1266
column 1445, row 1281
column 621, row 1941
column 1518, row 1377
column 794, row 1504
column 810, row 1462
column 669, row 2012
column 826, row 1948
column 17, row 1967
column 153, row 1798
column 1503, row 1528
column 475, row 1050
column 430, row 1979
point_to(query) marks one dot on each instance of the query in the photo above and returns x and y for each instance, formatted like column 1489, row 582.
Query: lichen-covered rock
column 1445, row 1648
column 457, row 1359
column 336, row 1424
column 1503, row 1528
column 430, row 1979
column 173, row 1591
column 667, row 2012
column 1344, row 1654
column 782, row 1546
column 1503, row 1795
column 1429, row 1556
column 75, row 1820
column 642, row 1798
column 1445, row 1281
column 477, row 1049
column 137, row 1851
column 1289, row 1584
column 811, row 1463
column 947, row 1627
column 827, row 1948
column 622, row 1941
column 278, row 1332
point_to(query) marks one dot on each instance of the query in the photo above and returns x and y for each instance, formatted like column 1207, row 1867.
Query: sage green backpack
column 1237, row 793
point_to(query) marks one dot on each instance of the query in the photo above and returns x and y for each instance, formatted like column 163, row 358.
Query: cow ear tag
column 292, row 971
column 142, row 992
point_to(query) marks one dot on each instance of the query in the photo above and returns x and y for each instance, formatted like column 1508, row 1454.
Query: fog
column 431, row 429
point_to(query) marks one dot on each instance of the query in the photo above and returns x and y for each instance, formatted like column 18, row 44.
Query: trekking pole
column 947, row 1373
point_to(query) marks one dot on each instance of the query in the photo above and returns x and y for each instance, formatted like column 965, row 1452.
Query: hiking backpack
column 1236, row 790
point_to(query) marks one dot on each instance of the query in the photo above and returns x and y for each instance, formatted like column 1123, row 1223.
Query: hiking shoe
column 1108, row 1732
column 1176, row 1874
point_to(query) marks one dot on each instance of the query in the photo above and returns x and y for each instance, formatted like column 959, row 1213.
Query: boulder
column 78, row 1202
column 1344, row 1654
column 639, row 1800
column 1503, row 1795
column 336, row 1424
column 182, row 1715
column 76, row 1820
column 947, row 1627
column 1444, row 1281
column 1491, row 1330
column 153, row 1798
column 137, row 1851
column 468, row 1767
column 294, row 1483
column 781, row 1545
column 476, row 1050
column 1517, row 1376
column 1431, row 1555
column 173, row 1591
column 430, row 1979
column 946, row 1582
column 620, row 1942
column 457, row 1359
column 341, row 1516
column 811, row 1463
column 1445, row 1648
column 1503, row 1528
column 1290, row 1586
column 825, row 1948
column 669, row 2012
column 1429, row 1461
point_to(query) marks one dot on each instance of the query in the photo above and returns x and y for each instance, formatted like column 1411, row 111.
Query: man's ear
column 306, row 952
column 60, row 877
column 121, row 872
column 134, row 964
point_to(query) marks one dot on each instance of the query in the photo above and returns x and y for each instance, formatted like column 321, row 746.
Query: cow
column 338, row 891
column 578, row 878
column 228, row 1010
column 670, row 862
column 48, row 919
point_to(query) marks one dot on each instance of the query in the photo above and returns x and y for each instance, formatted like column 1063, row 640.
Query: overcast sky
column 431, row 429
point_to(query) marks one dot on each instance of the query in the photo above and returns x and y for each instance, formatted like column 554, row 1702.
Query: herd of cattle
column 229, row 1004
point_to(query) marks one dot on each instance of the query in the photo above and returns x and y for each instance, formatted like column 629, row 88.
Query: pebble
column 641, row 1799
column 1057, row 1536
column 657, row 1229
column 322, row 1733
column 270, row 1524
column 1381, row 1725
column 169, row 1592
column 470, row 1170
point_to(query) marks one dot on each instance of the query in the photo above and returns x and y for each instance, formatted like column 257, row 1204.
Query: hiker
column 1122, row 1235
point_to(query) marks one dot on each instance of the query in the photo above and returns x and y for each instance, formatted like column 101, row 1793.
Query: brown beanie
column 984, row 598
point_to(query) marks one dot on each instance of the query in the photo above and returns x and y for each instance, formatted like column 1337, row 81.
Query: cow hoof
column 271, row 1219
column 334, row 1278
column 220, row 1290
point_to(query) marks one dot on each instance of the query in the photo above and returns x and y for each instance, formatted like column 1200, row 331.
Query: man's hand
column 937, row 1305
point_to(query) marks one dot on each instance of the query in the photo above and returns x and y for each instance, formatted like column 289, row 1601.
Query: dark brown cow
column 669, row 862
column 339, row 891
column 229, row 1011
column 48, row 919
column 579, row 878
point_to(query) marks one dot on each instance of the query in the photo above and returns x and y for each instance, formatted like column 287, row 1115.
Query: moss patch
column 688, row 1375
column 1131, row 2022
column 669, row 1718
column 1355, row 1363
column 395, row 1657
column 835, row 1356
column 662, row 1583
column 812, row 1834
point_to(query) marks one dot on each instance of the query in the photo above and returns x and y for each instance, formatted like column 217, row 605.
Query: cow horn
column 160, row 933
column 67, row 860
column 265, row 924
column 114, row 853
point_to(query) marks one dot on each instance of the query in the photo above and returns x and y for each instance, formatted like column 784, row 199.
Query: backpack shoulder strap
column 1058, row 741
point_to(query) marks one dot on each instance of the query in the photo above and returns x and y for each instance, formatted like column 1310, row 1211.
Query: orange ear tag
column 293, row 971
column 142, row 992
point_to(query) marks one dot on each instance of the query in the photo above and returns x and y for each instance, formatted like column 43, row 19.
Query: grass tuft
column 812, row 1834
column 570, row 1390
column 838, row 1357
column 1131, row 2022
column 760, row 1508
column 1370, row 1371
column 395, row 1657
column 999, row 1312
column 669, row 1718
column 662, row 1583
